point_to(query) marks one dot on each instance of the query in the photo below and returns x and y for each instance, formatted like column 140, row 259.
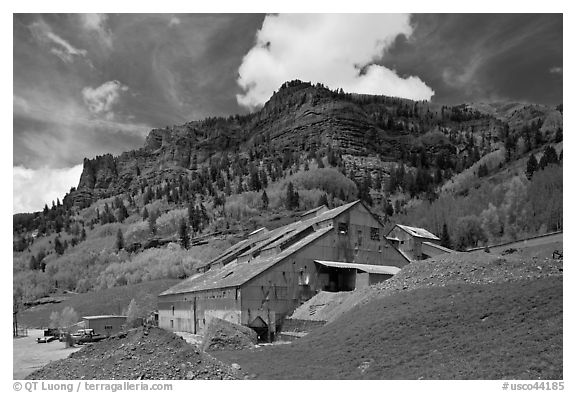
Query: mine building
column 262, row 279
column 105, row 325
column 415, row 243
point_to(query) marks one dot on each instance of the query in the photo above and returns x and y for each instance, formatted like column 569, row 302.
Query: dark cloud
column 88, row 85
column 484, row 57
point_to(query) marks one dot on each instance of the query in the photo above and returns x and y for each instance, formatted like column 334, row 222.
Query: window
column 172, row 324
column 172, row 310
column 359, row 237
column 375, row 234
column 107, row 327
column 281, row 292
column 343, row 228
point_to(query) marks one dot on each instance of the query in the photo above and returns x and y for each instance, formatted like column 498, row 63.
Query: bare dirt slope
column 320, row 307
column 448, row 269
column 140, row 354
column 504, row 330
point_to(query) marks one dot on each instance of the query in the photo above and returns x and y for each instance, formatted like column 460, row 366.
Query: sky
column 90, row 84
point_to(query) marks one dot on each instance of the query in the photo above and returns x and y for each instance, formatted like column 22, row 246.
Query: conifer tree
column 531, row 166
column 152, row 223
column 33, row 265
column 292, row 198
column 183, row 231
column 549, row 157
column 119, row 240
column 322, row 201
column 265, row 200
column 58, row 246
column 445, row 237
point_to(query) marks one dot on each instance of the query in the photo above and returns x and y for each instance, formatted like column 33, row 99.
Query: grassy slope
column 494, row 331
column 108, row 301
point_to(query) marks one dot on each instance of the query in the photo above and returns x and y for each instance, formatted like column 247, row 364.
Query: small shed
column 105, row 325
column 408, row 240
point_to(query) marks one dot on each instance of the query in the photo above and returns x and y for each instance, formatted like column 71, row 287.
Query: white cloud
column 58, row 46
column 334, row 49
column 100, row 100
column 97, row 24
column 556, row 70
column 32, row 188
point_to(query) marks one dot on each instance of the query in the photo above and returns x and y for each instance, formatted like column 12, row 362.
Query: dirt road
column 29, row 356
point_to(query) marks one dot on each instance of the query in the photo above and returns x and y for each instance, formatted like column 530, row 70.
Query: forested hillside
column 476, row 174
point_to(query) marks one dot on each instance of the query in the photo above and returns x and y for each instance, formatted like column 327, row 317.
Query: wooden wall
column 190, row 312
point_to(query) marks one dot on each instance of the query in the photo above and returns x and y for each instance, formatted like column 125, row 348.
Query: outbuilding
column 105, row 325
column 415, row 243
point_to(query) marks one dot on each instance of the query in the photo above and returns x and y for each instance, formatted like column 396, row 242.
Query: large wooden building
column 264, row 278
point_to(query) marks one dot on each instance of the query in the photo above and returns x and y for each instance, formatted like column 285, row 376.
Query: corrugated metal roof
column 418, row 232
column 235, row 274
column 375, row 269
column 262, row 238
column 313, row 210
column 256, row 231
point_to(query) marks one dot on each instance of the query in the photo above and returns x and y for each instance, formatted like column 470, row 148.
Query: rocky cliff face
column 298, row 117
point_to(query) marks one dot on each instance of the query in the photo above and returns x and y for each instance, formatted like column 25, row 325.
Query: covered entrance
column 344, row 276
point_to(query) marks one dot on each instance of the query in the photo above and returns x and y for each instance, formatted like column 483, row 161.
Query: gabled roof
column 377, row 269
column 235, row 274
column 418, row 232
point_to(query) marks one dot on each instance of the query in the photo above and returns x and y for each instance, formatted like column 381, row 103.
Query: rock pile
column 221, row 334
column 138, row 354
column 455, row 268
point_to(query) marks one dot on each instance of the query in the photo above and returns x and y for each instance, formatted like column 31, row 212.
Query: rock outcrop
column 299, row 117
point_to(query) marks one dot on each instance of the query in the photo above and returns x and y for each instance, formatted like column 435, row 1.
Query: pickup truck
column 83, row 336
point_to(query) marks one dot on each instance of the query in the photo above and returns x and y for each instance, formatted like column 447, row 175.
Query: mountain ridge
column 300, row 116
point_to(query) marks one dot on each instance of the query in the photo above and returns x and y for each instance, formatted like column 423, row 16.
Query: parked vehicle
column 46, row 339
column 83, row 336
